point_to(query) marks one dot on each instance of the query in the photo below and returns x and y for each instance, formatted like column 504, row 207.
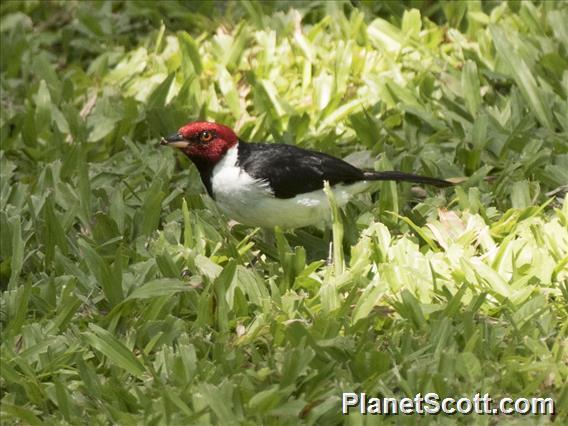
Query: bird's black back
column 291, row 170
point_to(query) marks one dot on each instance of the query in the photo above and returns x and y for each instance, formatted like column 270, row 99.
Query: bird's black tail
column 407, row 177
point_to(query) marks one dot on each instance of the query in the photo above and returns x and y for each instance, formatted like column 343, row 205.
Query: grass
column 127, row 298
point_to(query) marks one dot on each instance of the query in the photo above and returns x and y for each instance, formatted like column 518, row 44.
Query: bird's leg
column 256, row 254
column 269, row 237
column 265, row 244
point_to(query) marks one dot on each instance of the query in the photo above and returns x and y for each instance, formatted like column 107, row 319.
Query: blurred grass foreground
column 127, row 298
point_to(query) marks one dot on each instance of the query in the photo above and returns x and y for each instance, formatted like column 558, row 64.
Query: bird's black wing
column 291, row 170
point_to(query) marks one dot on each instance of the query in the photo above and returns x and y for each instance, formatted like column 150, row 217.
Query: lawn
column 128, row 298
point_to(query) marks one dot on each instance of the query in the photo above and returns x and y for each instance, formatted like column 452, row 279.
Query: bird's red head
column 203, row 141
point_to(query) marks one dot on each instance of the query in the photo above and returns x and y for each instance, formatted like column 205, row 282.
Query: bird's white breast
column 251, row 202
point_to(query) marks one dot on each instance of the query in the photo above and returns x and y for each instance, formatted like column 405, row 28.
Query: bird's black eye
column 205, row 136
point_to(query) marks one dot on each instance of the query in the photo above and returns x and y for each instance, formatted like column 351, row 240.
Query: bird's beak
column 176, row 140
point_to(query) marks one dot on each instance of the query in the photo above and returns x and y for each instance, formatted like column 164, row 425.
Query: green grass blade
column 113, row 350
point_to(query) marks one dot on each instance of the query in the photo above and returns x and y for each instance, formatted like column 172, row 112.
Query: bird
column 272, row 184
